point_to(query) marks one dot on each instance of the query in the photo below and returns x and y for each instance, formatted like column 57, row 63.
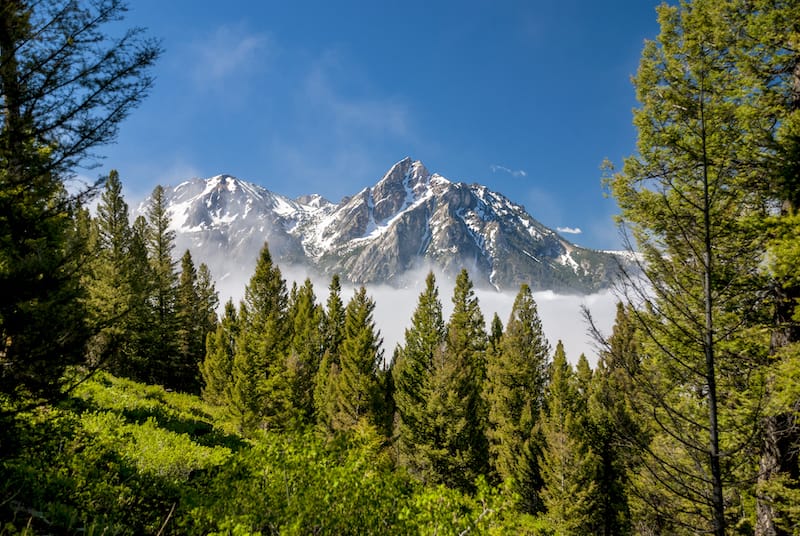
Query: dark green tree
column 261, row 394
column 110, row 293
column 305, row 353
column 688, row 199
column 567, row 464
column 515, row 391
column 140, row 316
column 333, row 334
column 456, row 449
column 411, row 373
column 616, row 436
column 163, row 352
column 195, row 316
column 357, row 394
column 216, row 369
column 65, row 85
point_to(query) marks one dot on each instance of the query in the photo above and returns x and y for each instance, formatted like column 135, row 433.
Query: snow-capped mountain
column 410, row 219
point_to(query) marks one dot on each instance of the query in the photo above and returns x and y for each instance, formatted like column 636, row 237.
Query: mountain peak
column 410, row 218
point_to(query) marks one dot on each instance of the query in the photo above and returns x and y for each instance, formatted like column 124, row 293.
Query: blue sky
column 527, row 97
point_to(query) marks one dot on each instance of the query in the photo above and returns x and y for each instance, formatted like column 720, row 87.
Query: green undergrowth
column 119, row 457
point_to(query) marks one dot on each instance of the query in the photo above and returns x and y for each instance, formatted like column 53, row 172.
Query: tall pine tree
column 455, row 451
column 333, row 334
column 305, row 352
column 411, row 374
column 216, row 369
column 515, row 385
column 162, row 353
column 261, row 395
column 357, row 394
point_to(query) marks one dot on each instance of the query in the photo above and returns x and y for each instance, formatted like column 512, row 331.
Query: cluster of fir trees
column 149, row 320
column 65, row 85
column 455, row 405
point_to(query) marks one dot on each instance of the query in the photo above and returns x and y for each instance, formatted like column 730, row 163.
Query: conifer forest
column 133, row 402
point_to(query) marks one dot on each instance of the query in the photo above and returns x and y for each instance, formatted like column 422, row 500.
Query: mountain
column 409, row 219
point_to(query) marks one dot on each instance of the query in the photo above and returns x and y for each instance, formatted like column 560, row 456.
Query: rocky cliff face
column 409, row 219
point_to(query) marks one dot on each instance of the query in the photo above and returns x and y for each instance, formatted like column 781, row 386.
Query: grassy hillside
column 119, row 457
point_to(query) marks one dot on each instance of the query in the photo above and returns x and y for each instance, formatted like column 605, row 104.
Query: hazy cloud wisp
column 516, row 173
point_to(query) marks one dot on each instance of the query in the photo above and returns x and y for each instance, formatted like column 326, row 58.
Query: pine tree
column 65, row 87
column 456, row 450
column 160, row 243
column 411, row 373
column 768, row 61
column 515, row 383
column 333, row 334
column 110, row 292
column 140, row 316
column 261, row 394
column 306, row 349
column 191, row 325
column 688, row 200
column 208, row 300
column 495, row 335
column 567, row 464
column 217, row 367
column 356, row 389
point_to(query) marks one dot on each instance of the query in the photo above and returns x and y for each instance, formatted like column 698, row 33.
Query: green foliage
column 160, row 241
column 515, row 383
column 65, row 86
column 127, row 458
column 306, row 350
column 261, row 394
column 454, row 450
column 411, row 373
column 568, row 462
column 689, row 199
column 357, row 388
column 217, row 367
column 333, row 334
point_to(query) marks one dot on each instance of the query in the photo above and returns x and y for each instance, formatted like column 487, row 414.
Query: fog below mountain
column 561, row 314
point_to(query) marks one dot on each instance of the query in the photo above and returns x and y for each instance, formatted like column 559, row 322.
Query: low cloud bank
column 561, row 314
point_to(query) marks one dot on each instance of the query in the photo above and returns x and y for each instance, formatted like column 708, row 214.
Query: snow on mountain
column 409, row 219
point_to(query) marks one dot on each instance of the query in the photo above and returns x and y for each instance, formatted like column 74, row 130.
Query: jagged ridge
column 409, row 219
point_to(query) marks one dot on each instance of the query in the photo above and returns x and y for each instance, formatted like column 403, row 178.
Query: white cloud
column 517, row 173
column 230, row 51
column 569, row 230
column 561, row 314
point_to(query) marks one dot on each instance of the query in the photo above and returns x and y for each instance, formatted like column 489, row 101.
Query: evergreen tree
column 515, row 383
column 333, row 334
column 768, row 62
column 208, row 301
column 357, row 389
column 217, row 367
column 411, row 372
column 306, row 349
column 192, row 324
column 140, row 316
column 109, row 284
column 495, row 335
column 65, row 87
column 689, row 202
column 163, row 353
column 567, row 464
column 261, row 394
column 456, row 451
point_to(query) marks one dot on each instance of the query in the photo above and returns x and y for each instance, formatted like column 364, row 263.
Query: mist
column 560, row 314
